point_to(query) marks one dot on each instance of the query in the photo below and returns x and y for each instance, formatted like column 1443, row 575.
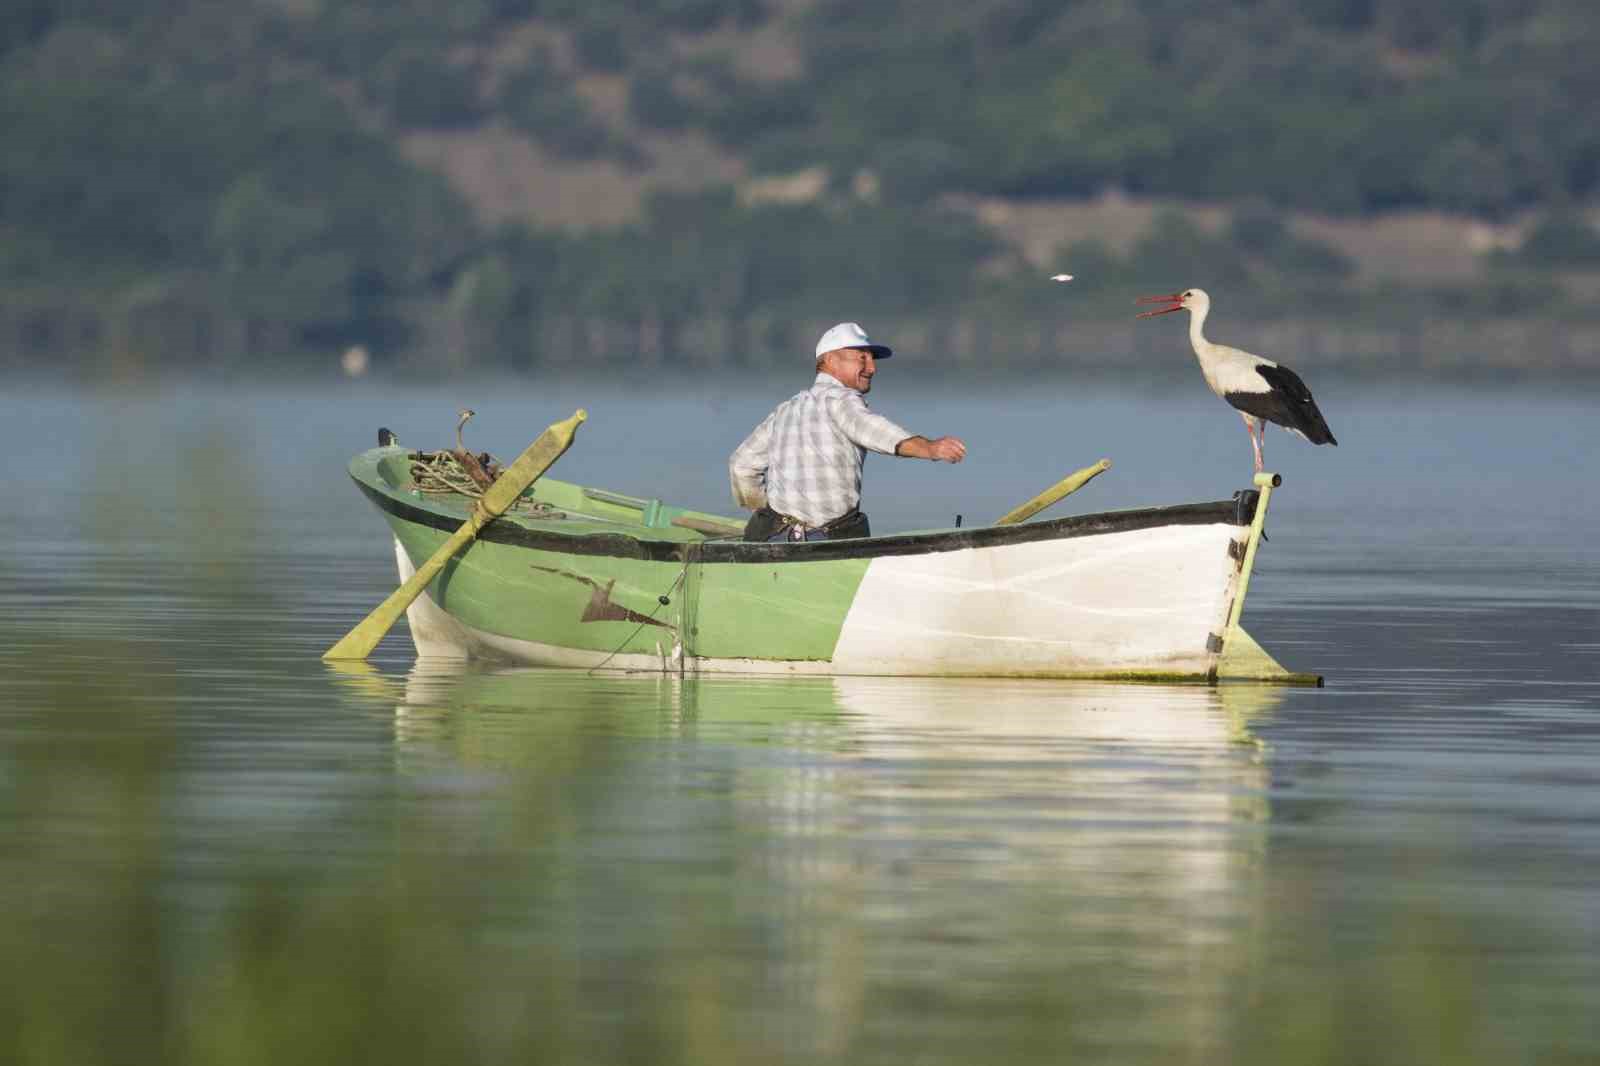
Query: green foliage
column 1175, row 252
column 539, row 101
column 1562, row 239
column 699, row 255
column 755, row 114
column 114, row 168
column 247, row 155
column 600, row 42
column 415, row 89
column 1260, row 231
column 653, row 100
column 1255, row 252
column 24, row 22
column 1095, row 267
column 121, row 164
column 915, row 170
column 1346, row 107
column 1505, row 294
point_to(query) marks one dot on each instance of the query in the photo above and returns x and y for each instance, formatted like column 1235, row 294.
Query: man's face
column 853, row 367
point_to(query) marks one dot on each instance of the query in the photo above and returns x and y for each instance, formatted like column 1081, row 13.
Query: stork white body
column 1260, row 389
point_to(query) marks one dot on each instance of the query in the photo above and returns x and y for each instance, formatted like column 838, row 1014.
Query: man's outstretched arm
column 942, row 450
column 874, row 432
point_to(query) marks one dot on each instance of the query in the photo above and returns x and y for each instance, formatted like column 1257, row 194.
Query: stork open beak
column 1176, row 299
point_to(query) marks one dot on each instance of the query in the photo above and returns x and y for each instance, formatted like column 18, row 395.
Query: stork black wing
column 1295, row 402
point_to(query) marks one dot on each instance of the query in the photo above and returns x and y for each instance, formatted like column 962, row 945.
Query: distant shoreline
column 960, row 346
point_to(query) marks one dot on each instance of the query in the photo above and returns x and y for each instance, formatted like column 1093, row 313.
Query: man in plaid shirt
column 800, row 469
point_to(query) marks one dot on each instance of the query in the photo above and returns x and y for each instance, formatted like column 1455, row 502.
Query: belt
column 767, row 523
column 786, row 521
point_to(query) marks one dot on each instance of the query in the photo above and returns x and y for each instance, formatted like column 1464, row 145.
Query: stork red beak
column 1176, row 299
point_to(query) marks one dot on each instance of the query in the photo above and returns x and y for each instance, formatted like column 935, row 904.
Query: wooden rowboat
column 581, row 577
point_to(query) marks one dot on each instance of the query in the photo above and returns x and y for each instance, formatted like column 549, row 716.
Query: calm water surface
column 218, row 848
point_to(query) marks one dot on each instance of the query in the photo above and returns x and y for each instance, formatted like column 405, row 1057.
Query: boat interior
column 552, row 500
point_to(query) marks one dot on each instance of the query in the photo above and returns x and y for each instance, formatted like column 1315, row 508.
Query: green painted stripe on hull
column 542, row 596
column 606, row 603
column 792, row 611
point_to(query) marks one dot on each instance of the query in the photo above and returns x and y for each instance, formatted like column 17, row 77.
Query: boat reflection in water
column 871, row 837
column 1056, row 774
column 485, row 709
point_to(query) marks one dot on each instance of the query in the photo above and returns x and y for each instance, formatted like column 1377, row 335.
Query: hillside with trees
column 531, row 183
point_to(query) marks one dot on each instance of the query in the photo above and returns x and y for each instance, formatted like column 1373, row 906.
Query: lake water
column 215, row 847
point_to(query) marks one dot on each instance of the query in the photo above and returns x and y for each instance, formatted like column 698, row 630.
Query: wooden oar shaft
column 709, row 528
column 550, row 445
column 1061, row 489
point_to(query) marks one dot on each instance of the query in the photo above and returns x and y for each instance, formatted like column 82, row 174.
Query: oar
column 1065, row 487
column 550, row 445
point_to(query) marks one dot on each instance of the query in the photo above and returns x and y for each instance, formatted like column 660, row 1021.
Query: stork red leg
column 1251, row 425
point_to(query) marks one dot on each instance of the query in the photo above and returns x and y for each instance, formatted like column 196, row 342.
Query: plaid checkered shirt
column 805, row 460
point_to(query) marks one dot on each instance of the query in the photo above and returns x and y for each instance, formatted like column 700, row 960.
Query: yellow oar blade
column 1061, row 489
column 359, row 642
column 550, row 446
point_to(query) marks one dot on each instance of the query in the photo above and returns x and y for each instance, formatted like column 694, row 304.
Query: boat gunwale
column 1238, row 511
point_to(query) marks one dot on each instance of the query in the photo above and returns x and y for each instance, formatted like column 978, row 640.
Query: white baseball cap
column 850, row 335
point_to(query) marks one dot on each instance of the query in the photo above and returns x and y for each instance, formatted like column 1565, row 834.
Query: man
column 800, row 470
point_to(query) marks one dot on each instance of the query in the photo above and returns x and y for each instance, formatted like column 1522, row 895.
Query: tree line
column 188, row 181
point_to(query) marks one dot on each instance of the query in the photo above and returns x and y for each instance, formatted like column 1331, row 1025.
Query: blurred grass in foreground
column 496, row 942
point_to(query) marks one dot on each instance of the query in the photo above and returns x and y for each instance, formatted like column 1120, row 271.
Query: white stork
column 1259, row 389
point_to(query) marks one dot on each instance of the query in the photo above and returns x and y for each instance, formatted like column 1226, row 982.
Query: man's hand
column 943, row 450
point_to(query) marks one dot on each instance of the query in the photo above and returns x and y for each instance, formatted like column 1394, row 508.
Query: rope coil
column 441, row 472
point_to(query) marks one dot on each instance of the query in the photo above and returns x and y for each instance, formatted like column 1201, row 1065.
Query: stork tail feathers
column 1293, row 406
